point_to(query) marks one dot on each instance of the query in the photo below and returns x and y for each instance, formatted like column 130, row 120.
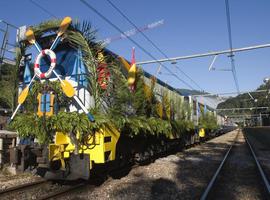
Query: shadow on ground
column 193, row 170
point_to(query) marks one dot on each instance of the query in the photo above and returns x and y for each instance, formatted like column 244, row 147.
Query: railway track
column 239, row 175
column 64, row 192
column 22, row 187
column 59, row 191
column 30, row 187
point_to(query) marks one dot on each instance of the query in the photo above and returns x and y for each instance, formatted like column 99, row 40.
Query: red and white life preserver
column 52, row 56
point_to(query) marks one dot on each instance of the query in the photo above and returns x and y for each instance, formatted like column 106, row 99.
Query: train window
column 107, row 139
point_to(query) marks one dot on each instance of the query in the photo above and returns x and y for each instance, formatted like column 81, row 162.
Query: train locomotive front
column 58, row 85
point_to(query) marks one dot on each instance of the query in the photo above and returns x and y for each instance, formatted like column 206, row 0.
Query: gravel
column 180, row 176
column 239, row 177
column 8, row 180
column 259, row 138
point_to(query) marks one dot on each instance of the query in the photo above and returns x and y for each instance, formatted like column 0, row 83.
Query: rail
column 258, row 165
column 212, row 181
column 63, row 191
column 265, row 180
column 23, row 186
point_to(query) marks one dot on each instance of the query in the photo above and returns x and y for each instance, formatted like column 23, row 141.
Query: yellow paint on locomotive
column 202, row 132
column 101, row 147
column 51, row 100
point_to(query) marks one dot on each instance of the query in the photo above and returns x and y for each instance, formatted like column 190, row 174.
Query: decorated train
column 82, row 108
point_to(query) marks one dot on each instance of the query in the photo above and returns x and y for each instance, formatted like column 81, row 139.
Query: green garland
column 208, row 121
column 131, row 112
column 31, row 103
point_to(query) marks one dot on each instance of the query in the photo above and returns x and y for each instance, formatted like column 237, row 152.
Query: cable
column 133, row 41
column 230, row 43
column 149, row 40
column 42, row 8
column 177, row 68
column 229, row 23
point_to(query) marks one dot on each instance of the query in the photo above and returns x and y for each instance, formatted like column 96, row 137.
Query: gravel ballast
column 259, row 138
column 8, row 180
column 181, row 176
column 239, row 177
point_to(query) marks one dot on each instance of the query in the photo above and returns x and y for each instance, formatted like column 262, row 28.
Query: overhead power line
column 229, row 93
column 3, row 21
column 250, row 108
column 133, row 41
column 42, row 8
column 228, row 16
column 149, row 40
column 229, row 24
column 246, row 116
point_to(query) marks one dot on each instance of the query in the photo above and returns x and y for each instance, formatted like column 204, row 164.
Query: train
column 82, row 108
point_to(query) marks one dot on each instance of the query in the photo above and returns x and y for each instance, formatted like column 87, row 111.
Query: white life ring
column 52, row 56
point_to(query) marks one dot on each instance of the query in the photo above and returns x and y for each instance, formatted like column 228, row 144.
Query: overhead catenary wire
column 247, row 115
column 177, row 68
column 228, row 17
column 247, row 108
column 149, row 40
column 42, row 8
column 228, row 93
column 8, row 24
column 133, row 41
column 201, row 55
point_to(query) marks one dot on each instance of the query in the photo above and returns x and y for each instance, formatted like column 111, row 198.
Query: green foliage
column 82, row 36
column 31, row 125
column 43, row 128
column 183, row 110
column 181, row 127
column 125, row 102
column 142, row 125
column 7, row 86
column 245, row 101
column 132, row 112
column 46, row 26
column 31, row 103
column 208, row 121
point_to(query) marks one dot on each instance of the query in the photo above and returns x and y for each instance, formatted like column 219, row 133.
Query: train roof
column 47, row 37
column 148, row 75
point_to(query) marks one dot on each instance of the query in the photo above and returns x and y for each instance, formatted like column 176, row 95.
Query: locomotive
column 91, row 109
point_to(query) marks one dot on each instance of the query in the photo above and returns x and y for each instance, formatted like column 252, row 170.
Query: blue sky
column 190, row 27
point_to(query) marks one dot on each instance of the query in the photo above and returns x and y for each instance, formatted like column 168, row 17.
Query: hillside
column 260, row 99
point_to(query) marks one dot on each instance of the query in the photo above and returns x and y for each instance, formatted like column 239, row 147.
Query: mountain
column 259, row 98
